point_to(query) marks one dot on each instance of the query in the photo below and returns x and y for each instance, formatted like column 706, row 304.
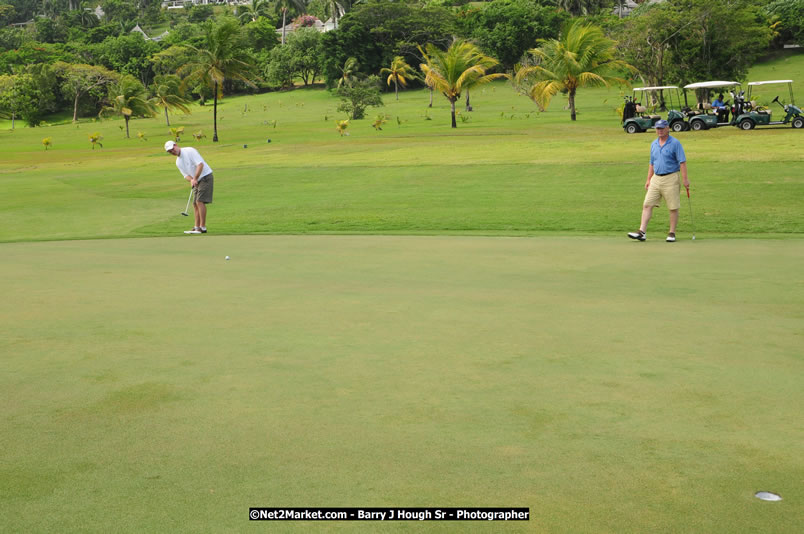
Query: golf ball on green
column 227, row 257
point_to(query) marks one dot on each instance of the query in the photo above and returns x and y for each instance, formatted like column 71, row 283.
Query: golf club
column 692, row 221
column 191, row 197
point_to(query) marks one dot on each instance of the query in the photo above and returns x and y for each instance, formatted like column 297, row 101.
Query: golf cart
column 704, row 116
column 635, row 116
column 755, row 115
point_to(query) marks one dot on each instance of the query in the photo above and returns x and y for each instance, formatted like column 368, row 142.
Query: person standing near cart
column 668, row 163
column 196, row 171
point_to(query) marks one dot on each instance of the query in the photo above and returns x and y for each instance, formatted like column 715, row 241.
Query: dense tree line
column 68, row 58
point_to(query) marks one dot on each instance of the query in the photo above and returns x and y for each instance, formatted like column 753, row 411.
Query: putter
column 191, row 197
column 692, row 221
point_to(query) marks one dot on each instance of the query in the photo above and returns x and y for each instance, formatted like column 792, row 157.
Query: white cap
column 169, row 146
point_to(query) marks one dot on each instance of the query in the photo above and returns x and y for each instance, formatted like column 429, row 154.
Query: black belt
column 657, row 174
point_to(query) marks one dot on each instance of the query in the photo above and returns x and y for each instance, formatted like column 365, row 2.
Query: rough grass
column 507, row 170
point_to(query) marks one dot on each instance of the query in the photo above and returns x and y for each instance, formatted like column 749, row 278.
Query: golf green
column 608, row 385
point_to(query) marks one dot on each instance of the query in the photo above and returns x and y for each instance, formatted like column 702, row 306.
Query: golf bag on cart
column 738, row 107
column 630, row 108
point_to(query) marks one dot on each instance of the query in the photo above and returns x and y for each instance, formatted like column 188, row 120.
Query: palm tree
column 167, row 94
column 460, row 67
column 582, row 57
column 86, row 14
column 487, row 63
column 128, row 98
column 283, row 6
column 349, row 72
column 576, row 8
column 223, row 57
column 252, row 12
column 334, row 8
column 399, row 73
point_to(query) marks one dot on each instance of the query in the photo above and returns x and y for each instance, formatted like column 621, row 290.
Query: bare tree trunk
column 215, row 116
column 431, row 98
column 127, row 119
column 468, row 106
column 284, row 13
column 167, row 119
column 452, row 105
column 572, row 103
column 75, row 106
column 396, row 88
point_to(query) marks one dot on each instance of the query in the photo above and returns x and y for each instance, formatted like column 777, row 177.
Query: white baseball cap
column 169, row 146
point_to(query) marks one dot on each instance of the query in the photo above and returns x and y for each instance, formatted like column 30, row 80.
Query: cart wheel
column 798, row 122
column 698, row 125
column 677, row 126
column 632, row 127
column 746, row 124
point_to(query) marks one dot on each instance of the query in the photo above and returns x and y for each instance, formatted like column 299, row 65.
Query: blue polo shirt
column 668, row 158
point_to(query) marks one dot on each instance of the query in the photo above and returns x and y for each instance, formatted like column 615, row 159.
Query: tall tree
column 87, row 17
column 80, row 79
column 577, row 8
column 167, row 94
column 289, row 6
column 506, row 29
column 17, row 96
column 710, row 47
column 462, row 66
column 334, row 9
column 790, row 15
column 582, row 57
column 376, row 31
column 223, row 57
column 644, row 40
column 399, row 73
column 688, row 40
column 251, row 12
column 128, row 98
column 305, row 46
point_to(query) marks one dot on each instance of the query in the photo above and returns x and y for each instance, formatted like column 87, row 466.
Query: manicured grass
column 507, row 170
column 610, row 386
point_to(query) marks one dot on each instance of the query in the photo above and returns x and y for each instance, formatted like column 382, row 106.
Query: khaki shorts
column 667, row 187
column 203, row 191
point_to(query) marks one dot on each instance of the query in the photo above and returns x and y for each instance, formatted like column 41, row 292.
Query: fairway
column 610, row 386
column 505, row 170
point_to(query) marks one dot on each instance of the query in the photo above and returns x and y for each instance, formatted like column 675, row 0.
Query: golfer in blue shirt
column 667, row 161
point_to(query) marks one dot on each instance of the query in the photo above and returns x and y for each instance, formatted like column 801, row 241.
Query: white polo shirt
column 187, row 161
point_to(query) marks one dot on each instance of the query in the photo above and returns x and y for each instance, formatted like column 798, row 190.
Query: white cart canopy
column 711, row 85
column 770, row 82
column 655, row 88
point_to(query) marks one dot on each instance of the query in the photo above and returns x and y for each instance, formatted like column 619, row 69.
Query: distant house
column 139, row 30
column 322, row 27
column 179, row 4
column 628, row 6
